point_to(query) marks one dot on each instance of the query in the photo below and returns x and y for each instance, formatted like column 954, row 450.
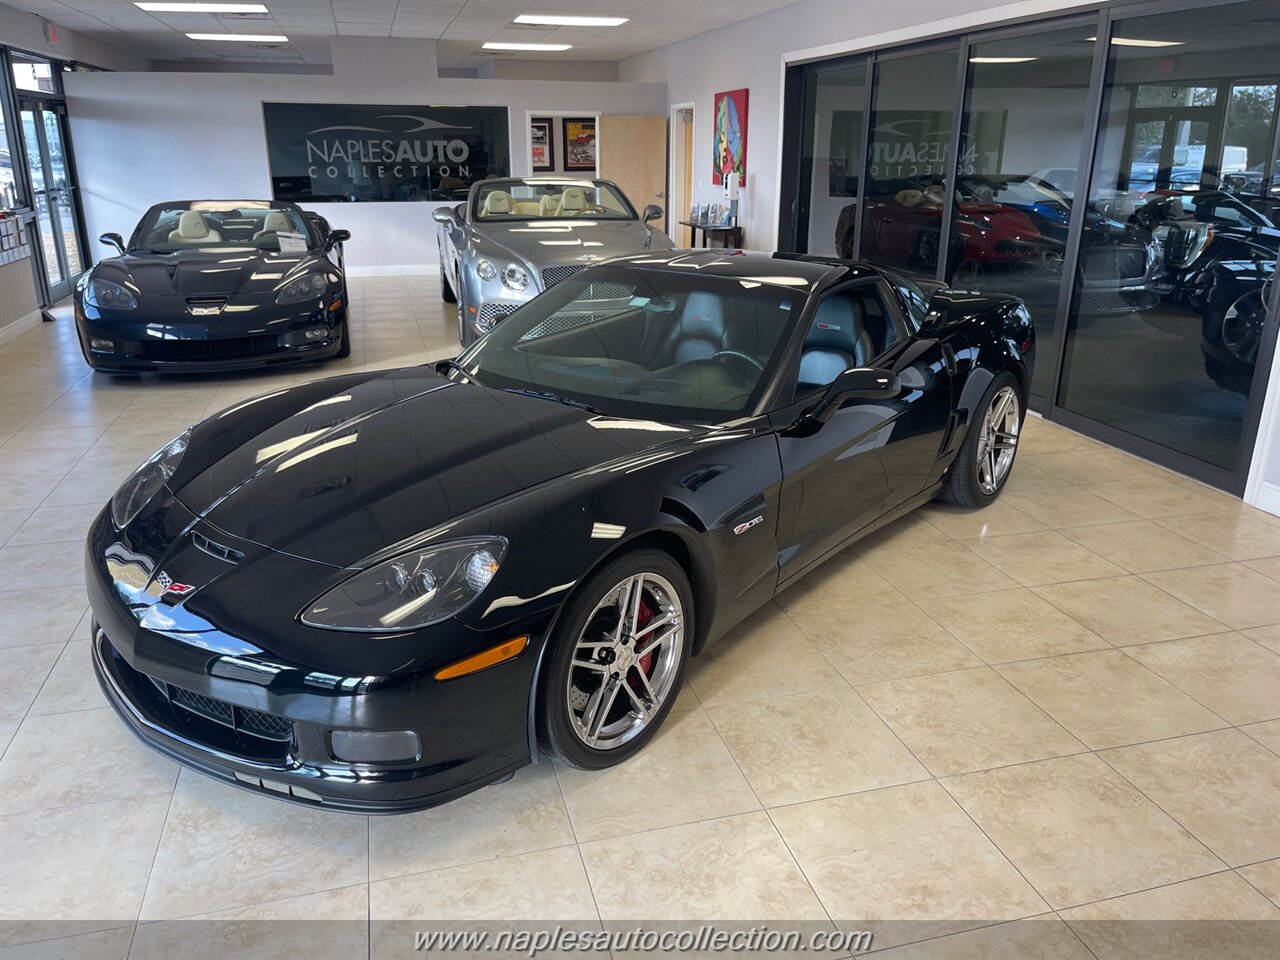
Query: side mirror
column 338, row 236
column 652, row 212
column 113, row 240
column 444, row 215
column 856, row 383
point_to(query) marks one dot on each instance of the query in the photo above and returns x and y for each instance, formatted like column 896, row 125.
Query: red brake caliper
column 645, row 663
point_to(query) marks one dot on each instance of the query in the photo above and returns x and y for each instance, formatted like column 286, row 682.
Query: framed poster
column 338, row 152
column 730, row 132
column 542, row 151
column 580, row 143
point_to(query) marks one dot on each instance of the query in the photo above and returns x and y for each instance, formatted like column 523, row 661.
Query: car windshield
column 167, row 228
column 642, row 344
column 536, row 199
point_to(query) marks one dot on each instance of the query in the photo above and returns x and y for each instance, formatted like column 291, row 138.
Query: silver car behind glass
column 514, row 238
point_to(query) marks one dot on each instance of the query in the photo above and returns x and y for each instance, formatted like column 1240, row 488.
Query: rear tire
column 466, row 332
column 344, row 327
column 589, row 683
column 446, row 289
column 986, row 457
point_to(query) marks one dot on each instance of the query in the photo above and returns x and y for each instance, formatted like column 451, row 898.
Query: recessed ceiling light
column 566, row 20
column 1126, row 42
column 242, row 37
column 547, row 47
column 1002, row 59
column 202, row 7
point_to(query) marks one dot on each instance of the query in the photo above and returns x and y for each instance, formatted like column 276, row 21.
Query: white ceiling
column 461, row 26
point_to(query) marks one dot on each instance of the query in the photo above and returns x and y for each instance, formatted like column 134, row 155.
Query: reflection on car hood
column 545, row 243
column 1267, row 239
column 204, row 272
column 381, row 461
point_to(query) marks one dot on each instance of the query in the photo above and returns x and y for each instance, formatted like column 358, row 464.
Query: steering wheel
column 737, row 355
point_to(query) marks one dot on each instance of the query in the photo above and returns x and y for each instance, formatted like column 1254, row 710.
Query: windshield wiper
column 568, row 402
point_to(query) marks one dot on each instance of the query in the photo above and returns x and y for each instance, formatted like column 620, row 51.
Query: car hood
column 224, row 271
column 1266, row 239
column 381, row 461
column 544, row 243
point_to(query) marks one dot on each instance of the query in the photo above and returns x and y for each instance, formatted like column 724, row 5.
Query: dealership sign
column 360, row 152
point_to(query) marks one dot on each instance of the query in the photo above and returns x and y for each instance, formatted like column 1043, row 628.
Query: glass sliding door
column 1016, row 172
column 907, row 162
column 831, row 162
column 1183, row 172
column 52, row 189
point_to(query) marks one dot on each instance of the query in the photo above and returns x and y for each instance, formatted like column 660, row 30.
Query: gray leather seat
column 837, row 340
column 700, row 332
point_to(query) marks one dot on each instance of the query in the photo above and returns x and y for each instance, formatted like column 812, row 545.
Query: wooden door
column 633, row 154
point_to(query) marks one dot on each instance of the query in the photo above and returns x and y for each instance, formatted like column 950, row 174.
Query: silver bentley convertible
column 514, row 238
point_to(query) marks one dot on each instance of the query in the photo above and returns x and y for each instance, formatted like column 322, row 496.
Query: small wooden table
column 730, row 236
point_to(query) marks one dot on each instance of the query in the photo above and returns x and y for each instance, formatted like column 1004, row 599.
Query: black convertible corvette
column 383, row 590
column 216, row 285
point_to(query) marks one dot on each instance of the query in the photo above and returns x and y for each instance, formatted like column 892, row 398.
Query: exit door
column 1171, row 148
column 52, row 193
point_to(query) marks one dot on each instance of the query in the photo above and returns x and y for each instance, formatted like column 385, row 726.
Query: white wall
column 141, row 138
column 592, row 71
column 750, row 54
column 26, row 32
column 17, row 296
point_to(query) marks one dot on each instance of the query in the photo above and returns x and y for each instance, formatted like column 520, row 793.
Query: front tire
column 446, row 289
column 617, row 661
column 986, row 457
column 344, row 328
column 466, row 332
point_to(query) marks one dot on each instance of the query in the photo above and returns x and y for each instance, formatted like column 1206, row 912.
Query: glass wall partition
column 1185, row 164
column 831, row 163
column 908, row 159
column 1016, row 172
column 1116, row 169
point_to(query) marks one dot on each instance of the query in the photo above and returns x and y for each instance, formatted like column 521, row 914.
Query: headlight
column 485, row 270
column 515, row 277
column 412, row 590
column 307, row 287
column 146, row 481
column 104, row 293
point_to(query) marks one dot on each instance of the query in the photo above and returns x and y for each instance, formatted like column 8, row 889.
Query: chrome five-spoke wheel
column 998, row 441
column 625, row 661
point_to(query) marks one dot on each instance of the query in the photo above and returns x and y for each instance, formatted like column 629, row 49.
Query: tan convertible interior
column 572, row 202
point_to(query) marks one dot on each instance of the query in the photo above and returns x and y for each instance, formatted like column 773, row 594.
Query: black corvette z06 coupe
column 208, row 285
column 380, row 591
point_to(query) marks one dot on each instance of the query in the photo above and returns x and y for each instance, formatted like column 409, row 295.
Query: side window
column 850, row 328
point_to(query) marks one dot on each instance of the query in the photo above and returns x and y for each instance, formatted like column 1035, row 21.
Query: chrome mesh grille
column 1113, row 262
column 553, row 275
column 489, row 314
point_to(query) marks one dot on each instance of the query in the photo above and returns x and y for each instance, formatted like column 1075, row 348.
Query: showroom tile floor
column 1017, row 732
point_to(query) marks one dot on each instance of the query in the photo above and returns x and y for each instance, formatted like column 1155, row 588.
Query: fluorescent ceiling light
column 202, row 7
column 565, row 20
column 1002, row 59
column 1126, row 42
column 547, row 47
column 242, row 37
